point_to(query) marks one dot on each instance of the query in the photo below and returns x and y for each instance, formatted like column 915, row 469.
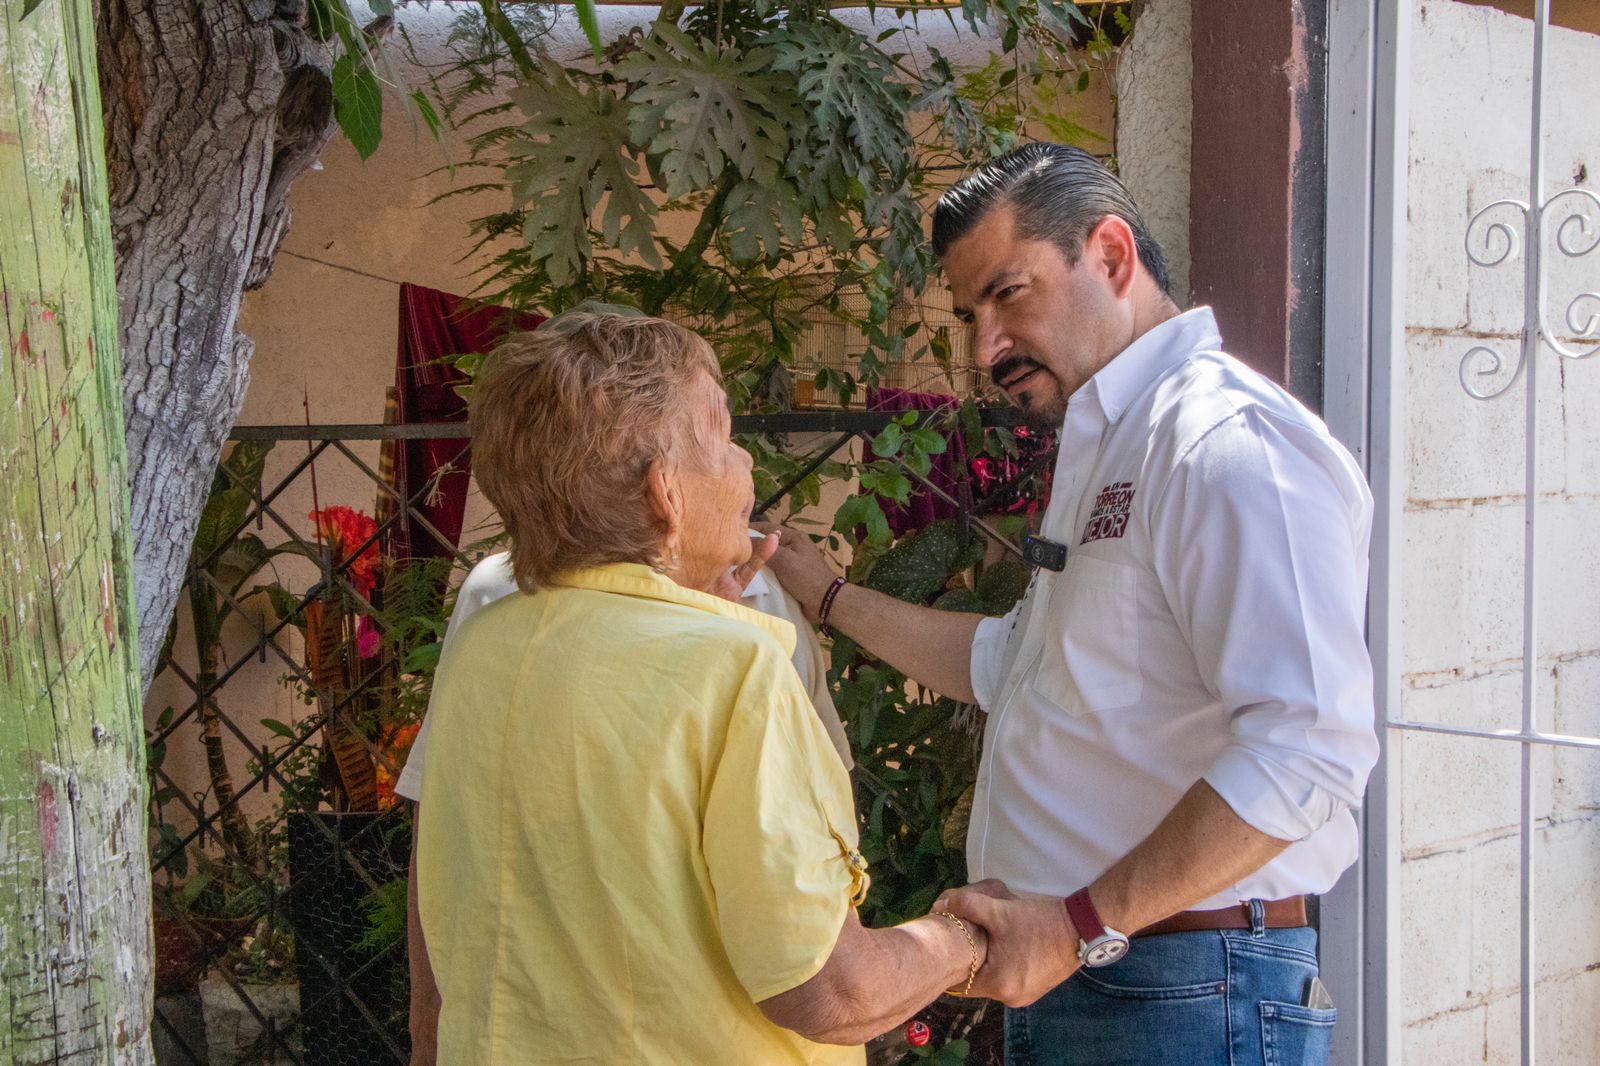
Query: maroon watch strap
column 1085, row 919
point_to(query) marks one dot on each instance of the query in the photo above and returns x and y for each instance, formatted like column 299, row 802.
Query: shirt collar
column 1133, row 370
column 636, row 579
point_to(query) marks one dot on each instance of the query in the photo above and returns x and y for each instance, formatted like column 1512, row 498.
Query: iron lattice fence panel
column 280, row 937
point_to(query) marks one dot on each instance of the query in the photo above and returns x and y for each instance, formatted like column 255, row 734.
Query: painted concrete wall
column 1154, row 126
column 1463, row 586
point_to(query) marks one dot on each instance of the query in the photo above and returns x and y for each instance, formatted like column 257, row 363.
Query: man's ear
column 1116, row 250
column 665, row 496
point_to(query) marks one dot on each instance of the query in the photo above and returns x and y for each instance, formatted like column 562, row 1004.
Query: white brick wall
column 1460, row 884
column 1577, row 772
column 1461, row 448
column 1456, row 791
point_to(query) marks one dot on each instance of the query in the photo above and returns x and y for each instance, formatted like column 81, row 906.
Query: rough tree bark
column 74, row 878
column 212, row 109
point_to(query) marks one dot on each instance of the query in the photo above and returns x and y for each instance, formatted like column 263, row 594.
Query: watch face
column 1105, row 951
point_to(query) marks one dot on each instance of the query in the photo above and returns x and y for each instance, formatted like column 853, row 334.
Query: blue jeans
column 1214, row 998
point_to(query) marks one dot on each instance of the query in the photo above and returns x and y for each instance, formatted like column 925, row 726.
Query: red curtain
column 434, row 326
column 978, row 480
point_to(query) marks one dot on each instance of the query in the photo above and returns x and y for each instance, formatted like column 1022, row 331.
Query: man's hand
column 731, row 585
column 800, row 566
column 1032, row 945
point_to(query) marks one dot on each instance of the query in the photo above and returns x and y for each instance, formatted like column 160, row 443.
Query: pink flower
column 367, row 639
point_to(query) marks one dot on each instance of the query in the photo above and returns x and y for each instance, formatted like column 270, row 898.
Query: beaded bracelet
column 827, row 605
column 972, row 973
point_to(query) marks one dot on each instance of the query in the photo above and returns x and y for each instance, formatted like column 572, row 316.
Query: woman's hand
column 731, row 585
column 875, row 979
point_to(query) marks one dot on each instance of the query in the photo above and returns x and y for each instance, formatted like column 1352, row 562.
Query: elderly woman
column 639, row 846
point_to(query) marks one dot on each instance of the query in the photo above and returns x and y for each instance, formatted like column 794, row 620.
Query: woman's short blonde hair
column 566, row 421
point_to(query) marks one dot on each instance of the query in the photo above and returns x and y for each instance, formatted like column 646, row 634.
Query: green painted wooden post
column 75, row 950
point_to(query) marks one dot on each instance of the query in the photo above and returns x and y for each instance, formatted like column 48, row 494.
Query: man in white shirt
column 1180, row 711
column 491, row 580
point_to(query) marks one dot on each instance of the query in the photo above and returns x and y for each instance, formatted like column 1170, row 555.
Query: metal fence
column 280, row 884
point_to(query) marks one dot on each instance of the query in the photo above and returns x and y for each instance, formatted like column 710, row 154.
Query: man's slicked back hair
column 1059, row 193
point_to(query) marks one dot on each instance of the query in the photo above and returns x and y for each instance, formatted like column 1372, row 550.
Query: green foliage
column 569, row 160
column 361, row 70
column 358, row 103
column 411, row 618
column 385, row 911
column 699, row 107
column 952, row 1053
column 223, row 557
column 793, row 151
column 920, row 565
column 745, row 168
column 855, row 102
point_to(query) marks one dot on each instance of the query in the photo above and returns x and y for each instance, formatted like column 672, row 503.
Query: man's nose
column 990, row 342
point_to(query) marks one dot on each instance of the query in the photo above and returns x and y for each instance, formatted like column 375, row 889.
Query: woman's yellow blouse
column 636, row 829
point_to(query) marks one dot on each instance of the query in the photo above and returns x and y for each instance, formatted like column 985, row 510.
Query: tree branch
column 507, row 32
column 693, row 251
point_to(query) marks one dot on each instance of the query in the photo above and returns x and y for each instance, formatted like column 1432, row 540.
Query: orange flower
column 397, row 748
column 345, row 529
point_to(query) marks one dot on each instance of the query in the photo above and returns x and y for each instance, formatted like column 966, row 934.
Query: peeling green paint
column 74, row 885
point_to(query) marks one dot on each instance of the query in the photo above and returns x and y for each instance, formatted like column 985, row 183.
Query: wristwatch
column 1097, row 945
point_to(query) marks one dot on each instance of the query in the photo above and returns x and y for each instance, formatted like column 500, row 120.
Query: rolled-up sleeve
column 1261, row 546
column 779, row 835
column 988, row 653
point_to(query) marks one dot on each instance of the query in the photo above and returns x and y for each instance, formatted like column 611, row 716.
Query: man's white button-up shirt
column 1209, row 624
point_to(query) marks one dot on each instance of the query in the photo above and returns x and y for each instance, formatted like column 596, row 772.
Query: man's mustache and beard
column 1043, row 407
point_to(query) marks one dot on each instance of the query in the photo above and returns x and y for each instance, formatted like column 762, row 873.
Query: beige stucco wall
column 1463, row 586
column 326, row 324
column 1155, row 129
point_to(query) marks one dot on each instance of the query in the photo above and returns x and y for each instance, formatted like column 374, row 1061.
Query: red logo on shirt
column 1110, row 515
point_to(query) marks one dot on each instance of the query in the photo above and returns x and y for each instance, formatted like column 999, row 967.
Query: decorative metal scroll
column 1577, row 234
column 1572, row 218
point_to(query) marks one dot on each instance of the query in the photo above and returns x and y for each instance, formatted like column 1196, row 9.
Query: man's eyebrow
column 1002, row 278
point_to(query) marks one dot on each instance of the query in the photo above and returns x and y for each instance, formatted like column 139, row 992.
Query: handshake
column 1025, row 946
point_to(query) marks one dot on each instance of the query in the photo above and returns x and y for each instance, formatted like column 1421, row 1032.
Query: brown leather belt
column 1287, row 913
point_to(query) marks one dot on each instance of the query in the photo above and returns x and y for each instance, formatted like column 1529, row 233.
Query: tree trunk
column 74, row 879
column 212, row 108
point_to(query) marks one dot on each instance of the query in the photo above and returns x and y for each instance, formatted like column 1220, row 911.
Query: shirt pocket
column 1090, row 658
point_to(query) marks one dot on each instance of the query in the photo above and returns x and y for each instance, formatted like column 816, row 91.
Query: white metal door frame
column 1364, row 403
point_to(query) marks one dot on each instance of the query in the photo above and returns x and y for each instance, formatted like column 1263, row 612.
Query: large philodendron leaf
column 849, row 88
column 895, row 213
column 573, row 155
column 759, row 216
column 698, row 107
column 941, row 96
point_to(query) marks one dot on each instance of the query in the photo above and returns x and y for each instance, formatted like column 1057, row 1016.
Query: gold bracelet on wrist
column 972, row 972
